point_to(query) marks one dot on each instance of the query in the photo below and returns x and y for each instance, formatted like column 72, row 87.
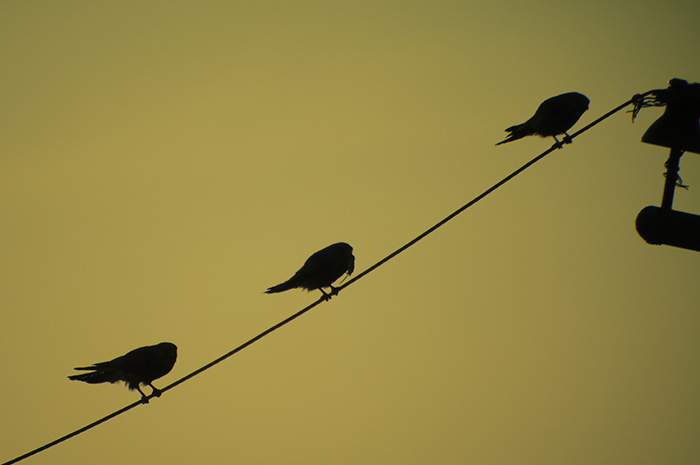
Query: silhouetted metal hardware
column 678, row 129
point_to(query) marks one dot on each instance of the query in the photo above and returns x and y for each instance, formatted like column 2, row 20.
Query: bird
column 321, row 270
column 554, row 116
column 140, row 366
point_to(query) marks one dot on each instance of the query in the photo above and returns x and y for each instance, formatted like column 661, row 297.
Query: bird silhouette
column 321, row 270
column 554, row 116
column 140, row 366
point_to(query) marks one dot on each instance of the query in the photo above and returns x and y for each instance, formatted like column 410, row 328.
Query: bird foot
column 326, row 296
column 557, row 144
column 567, row 139
column 156, row 392
column 144, row 397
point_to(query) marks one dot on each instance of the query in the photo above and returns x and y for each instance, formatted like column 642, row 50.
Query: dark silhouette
column 554, row 116
column 140, row 366
column 321, row 270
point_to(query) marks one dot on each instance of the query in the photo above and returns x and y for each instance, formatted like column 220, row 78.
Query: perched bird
column 554, row 116
column 140, row 366
column 321, row 270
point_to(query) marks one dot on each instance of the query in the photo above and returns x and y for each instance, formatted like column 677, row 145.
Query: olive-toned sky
column 162, row 163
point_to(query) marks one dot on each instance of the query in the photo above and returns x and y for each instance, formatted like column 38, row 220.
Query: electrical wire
column 636, row 99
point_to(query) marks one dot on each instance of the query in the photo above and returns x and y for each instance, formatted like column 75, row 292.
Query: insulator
column 679, row 126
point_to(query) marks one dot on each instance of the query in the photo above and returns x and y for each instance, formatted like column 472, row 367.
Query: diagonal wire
column 636, row 98
column 168, row 387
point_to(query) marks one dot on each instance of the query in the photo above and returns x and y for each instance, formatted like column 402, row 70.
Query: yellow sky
column 161, row 165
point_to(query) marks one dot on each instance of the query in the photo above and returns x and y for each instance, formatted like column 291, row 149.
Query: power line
column 636, row 99
column 168, row 387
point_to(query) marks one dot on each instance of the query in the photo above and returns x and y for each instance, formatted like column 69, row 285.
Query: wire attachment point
column 654, row 98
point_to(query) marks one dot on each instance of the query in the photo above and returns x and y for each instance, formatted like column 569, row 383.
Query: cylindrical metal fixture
column 661, row 226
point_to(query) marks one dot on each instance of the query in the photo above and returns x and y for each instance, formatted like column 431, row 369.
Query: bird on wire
column 554, row 116
column 321, row 270
column 140, row 366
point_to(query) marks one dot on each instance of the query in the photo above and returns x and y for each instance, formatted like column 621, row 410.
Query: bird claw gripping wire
column 559, row 144
column 328, row 295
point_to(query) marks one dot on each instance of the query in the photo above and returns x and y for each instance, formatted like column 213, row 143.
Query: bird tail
column 285, row 286
column 516, row 132
column 94, row 377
